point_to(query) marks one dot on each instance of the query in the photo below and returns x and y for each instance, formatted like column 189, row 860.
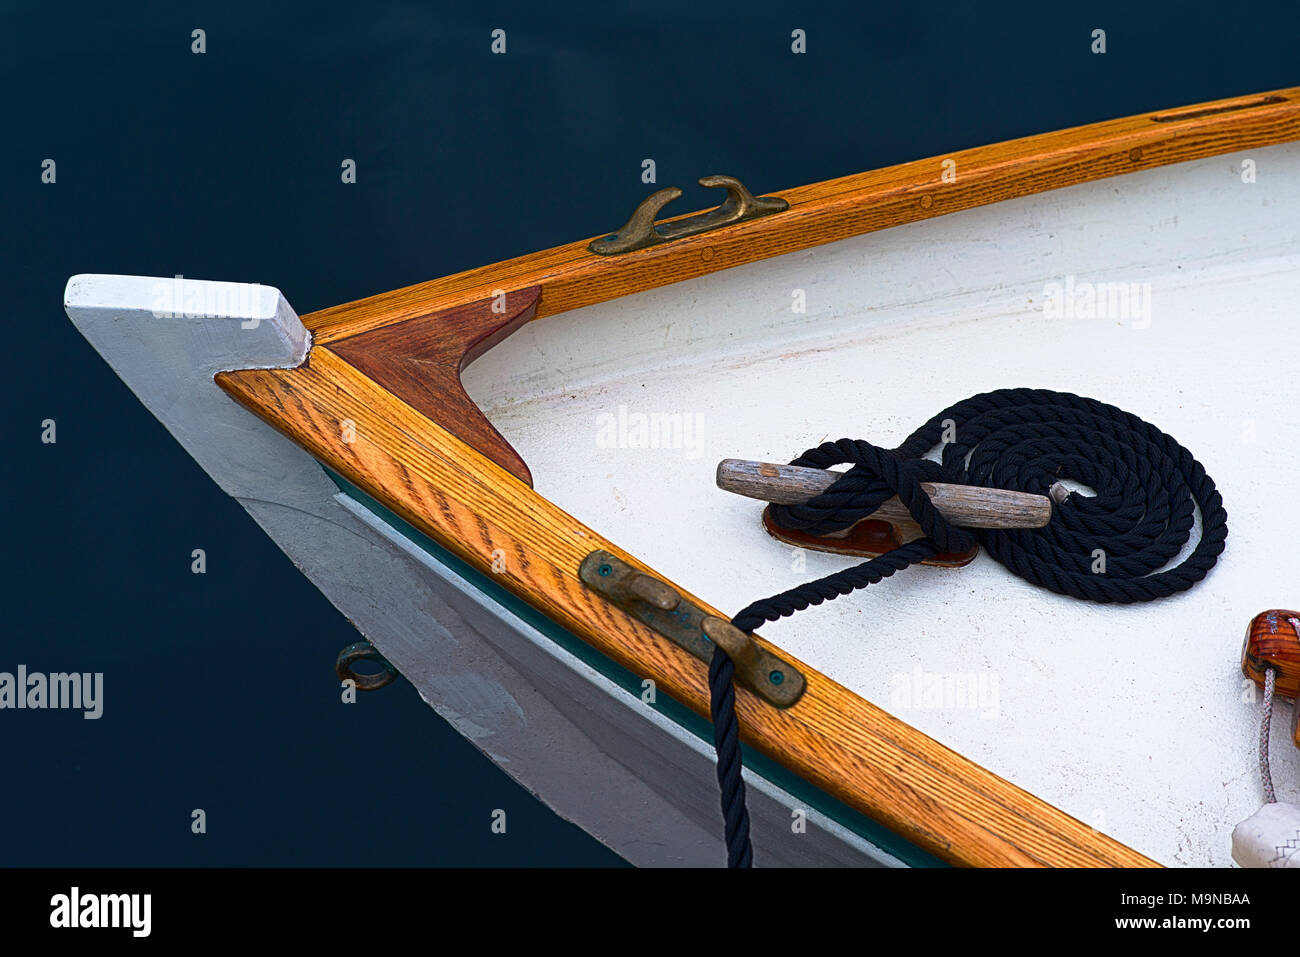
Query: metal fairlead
column 640, row 230
column 659, row 606
column 364, row 651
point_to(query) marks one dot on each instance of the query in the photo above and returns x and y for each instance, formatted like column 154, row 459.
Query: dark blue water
column 220, row 692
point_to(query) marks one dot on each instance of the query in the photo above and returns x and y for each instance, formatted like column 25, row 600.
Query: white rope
column 1265, row 721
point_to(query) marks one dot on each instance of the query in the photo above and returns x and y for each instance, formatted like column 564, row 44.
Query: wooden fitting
column 891, row 524
column 1272, row 642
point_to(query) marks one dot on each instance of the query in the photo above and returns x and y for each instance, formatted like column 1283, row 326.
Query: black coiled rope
column 1148, row 488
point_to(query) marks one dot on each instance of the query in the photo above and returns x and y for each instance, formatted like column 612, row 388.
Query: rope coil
column 1148, row 490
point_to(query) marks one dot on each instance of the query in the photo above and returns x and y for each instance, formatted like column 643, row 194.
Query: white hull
column 639, row 783
column 1131, row 719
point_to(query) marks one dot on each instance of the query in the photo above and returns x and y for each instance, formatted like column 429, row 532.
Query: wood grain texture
column 570, row 276
column 420, row 361
column 1272, row 641
column 471, row 506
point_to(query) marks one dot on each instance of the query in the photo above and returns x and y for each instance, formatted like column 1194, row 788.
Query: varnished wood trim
column 1272, row 641
column 570, row 276
column 472, row 506
column 420, row 361
column 848, row 747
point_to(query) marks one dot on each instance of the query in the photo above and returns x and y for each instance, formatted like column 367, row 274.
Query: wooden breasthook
column 420, row 360
column 390, row 365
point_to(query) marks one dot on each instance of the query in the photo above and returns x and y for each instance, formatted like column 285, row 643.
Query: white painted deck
column 1135, row 719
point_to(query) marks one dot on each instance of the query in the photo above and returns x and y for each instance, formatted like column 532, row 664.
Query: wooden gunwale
column 571, row 277
column 414, row 464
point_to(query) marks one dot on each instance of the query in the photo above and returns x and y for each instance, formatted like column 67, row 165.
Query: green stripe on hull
column 810, row 795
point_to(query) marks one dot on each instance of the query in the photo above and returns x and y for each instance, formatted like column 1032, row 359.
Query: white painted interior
column 1134, row 719
column 591, row 751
